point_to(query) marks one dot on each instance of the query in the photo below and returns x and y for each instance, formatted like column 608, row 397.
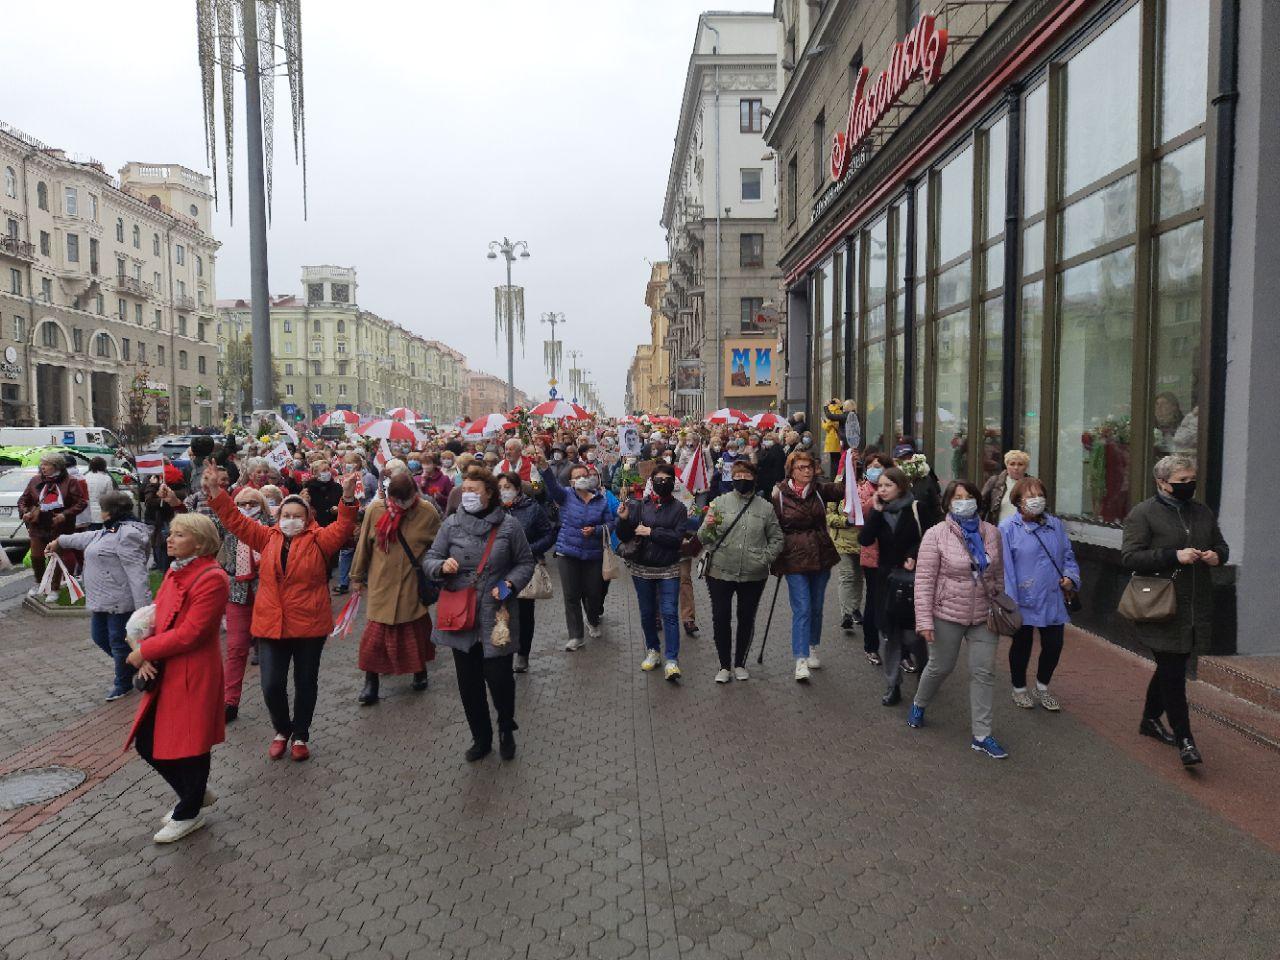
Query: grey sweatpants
column 982, row 661
column 850, row 578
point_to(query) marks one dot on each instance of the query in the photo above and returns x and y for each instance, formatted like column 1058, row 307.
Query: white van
column 67, row 435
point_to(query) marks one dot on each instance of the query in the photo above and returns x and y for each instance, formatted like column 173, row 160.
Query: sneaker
column 521, row 664
column 1048, row 701
column 990, row 746
column 173, row 830
column 339, row 590
column 740, row 673
column 723, row 676
column 857, row 618
column 671, row 671
column 908, row 664
column 477, row 751
column 51, row 598
column 595, row 630
column 802, row 670
column 278, row 747
column 846, row 623
column 299, row 751
column 650, row 661
column 915, row 717
column 813, row 661
column 34, row 591
column 117, row 692
column 690, row 629
column 210, row 798
column 1023, row 699
column 873, row 658
column 575, row 643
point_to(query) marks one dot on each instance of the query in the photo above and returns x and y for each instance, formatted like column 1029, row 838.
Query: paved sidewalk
column 646, row 819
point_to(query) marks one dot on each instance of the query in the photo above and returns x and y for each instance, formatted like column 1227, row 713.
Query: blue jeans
column 807, row 591
column 107, row 631
column 664, row 595
column 345, row 556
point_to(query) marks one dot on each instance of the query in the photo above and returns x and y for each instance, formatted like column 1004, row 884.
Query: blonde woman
column 996, row 503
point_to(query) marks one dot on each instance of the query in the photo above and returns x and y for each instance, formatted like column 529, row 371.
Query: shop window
column 951, row 385
column 751, row 254
column 1095, row 358
column 991, row 387
column 1176, row 323
column 1184, row 66
column 751, row 184
column 1102, row 217
column 955, row 208
column 1100, row 128
column 1180, row 181
column 873, row 417
column 1035, row 134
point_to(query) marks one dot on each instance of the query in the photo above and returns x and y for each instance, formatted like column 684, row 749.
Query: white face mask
column 324, row 476
column 250, row 509
column 447, row 465
column 591, row 456
column 471, row 501
column 292, row 526
column 964, row 509
column 508, row 495
column 768, row 444
column 1034, row 505
column 584, row 483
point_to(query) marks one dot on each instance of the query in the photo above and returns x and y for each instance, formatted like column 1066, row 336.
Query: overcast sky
column 432, row 129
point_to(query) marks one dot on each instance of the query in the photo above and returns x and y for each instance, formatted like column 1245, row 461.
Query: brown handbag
column 1149, row 599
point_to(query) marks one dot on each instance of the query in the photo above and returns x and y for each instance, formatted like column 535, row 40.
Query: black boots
column 1189, row 752
column 232, row 711
column 506, row 745
column 369, row 695
column 846, row 623
column 892, row 697
column 1153, row 728
column 420, row 681
column 478, row 750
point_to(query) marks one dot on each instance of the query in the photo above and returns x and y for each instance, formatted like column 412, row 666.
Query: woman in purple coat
column 1039, row 565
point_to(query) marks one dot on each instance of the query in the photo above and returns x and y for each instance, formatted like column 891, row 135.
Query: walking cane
column 765, row 639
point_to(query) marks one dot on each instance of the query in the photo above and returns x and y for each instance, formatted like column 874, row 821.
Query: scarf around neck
column 388, row 526
column 971, row 531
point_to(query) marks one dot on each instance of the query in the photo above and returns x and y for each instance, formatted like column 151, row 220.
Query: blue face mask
column 874, row 474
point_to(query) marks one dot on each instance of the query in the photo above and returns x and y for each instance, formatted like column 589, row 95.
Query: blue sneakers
column 990, row 746
column 915, row 718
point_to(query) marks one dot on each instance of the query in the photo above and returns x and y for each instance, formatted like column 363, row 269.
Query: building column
column 1251, row 441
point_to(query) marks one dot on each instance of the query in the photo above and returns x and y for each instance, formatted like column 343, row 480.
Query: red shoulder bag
column 456, row 609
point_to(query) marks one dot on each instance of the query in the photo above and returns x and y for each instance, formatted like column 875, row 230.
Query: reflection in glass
column 954, row 286
column 955, row 207
column 1184, row 66
column 875, row 322
column 899, row 245
column 1035, row 145
column 824, row 332
column 994, row 270
column 917, row 386
column 1033, row 249
column 1095, row 304
column 1105, row 215
column 992, row 386
column 1031, row 350
column 895, row 386
column 997, row 147
column 922, row 233
column 1101, row 126
column 950, row 447
column 819, row 322
column 1180, row 180
column 1176, row 326
column 875, row 394
column 836, row 341
column 877, row 261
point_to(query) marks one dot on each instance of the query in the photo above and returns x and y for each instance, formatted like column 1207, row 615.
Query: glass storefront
column 1108, row 306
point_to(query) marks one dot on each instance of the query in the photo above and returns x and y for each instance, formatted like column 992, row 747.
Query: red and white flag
column 383, row 454
column 694, row 476
column 852, row 502
column 149, row 463
column 347, row 618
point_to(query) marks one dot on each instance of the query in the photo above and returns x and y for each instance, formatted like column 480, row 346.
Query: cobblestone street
column 640, row 818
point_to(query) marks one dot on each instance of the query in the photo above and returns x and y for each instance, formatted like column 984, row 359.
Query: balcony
column 134, row 287
column 17, row 249
column 183, row 302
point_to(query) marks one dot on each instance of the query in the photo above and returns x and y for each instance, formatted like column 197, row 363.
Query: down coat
column 576, row 514
column 946, row 585
column 807, row 544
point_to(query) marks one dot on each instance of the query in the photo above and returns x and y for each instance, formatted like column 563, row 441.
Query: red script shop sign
column 920, row 54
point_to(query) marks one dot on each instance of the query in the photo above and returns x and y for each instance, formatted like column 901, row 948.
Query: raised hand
column 209, row 480
column 348, row 482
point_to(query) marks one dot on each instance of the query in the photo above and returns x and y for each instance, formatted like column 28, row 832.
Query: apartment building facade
column 650, row 377
column 107, row 290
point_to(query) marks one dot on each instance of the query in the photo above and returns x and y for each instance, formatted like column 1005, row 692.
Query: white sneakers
column 51, row 598
column 34, row 592
column 802, row 670
column 672, row 671
column 177, row 829
column 813, row 661
column 575, row 643
column 740, row 673
column 594, row 630
column 651, row 661
column 210, row 798
column 723, row 676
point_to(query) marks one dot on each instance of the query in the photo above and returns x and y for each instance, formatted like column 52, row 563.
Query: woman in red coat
column 180, row 720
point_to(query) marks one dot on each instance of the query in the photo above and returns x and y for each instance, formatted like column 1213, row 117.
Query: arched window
column 195, row 211
column 102, row 345
column 120, row 229
column 10, row 182
column 342, row 326
column 137, row 237
column 42, row 195
column 199, row 266
column 182, row 359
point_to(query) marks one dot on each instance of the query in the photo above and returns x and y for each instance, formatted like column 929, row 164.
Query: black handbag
column 630, row 549
column 900, row 605
column 428, row 589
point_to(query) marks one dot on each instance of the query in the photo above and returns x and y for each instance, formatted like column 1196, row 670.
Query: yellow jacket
column 831, row 429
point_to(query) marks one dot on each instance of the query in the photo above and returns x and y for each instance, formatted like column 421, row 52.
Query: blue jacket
column 537, row 526
column 574, row 515
column 1029, row 575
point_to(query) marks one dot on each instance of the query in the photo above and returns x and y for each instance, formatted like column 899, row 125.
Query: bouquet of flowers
column 915, row 467
column 523, row 422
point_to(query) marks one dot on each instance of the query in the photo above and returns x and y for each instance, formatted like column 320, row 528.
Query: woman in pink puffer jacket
column 958, row 566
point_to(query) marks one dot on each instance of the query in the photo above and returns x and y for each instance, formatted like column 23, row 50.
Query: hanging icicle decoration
column 500, row 318
column 219, row 35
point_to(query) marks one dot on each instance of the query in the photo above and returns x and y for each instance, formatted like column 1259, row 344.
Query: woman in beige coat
column 397, row 531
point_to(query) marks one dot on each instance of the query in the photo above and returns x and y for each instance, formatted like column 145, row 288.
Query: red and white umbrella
column 766, row 421
column 727, row 415
column 338, row 418
column 403, row 413
column 493, row 423
column 560, row 410
column 388, row 430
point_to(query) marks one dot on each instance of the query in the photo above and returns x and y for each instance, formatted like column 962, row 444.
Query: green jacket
column 751, row 546
column 843, row 533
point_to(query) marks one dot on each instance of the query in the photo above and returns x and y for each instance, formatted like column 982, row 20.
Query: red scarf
column 388, row 526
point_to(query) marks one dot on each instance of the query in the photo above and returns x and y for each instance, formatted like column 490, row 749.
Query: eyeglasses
column 804, row 466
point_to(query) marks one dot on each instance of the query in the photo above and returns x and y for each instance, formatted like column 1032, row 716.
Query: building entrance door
column 106, row 399
column 51, row 393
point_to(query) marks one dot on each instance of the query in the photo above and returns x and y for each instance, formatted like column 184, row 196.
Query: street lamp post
column 553, row 318
column 575, row 375
column 509, row 250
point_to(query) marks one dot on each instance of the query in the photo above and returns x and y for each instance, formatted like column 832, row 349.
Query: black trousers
column 187, row 777
column 582, row 583
column 722, row 593
column 475, row 672
column 274, row 657
column 1167, row 692
column 1020, row 654
column 526, row 626
column 870, row 625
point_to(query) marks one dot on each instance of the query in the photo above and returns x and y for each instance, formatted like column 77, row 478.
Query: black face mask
column 744, row 485
column 1183, row 491
column 663, row 486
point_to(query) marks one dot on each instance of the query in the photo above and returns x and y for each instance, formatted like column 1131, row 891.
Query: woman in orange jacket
column 292, row 612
